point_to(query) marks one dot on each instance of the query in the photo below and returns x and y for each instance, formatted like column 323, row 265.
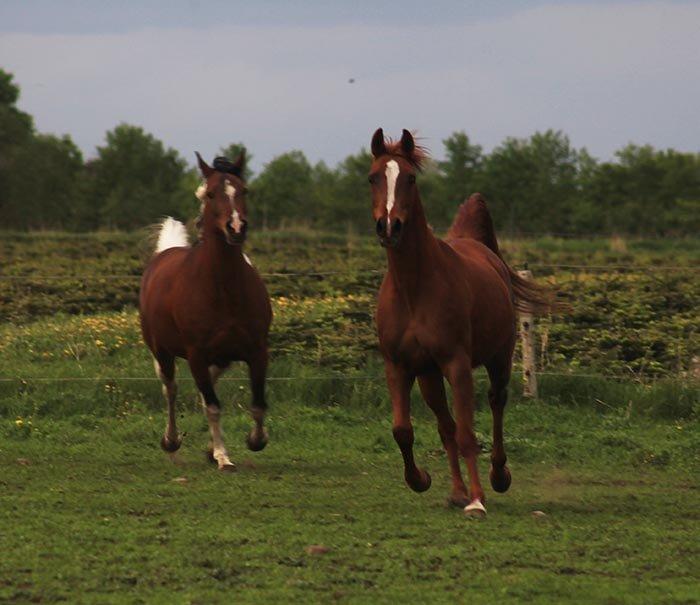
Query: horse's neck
column 219, row 259
column 412, row 263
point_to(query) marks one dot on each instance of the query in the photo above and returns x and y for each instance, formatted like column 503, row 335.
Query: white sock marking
column 475, row 508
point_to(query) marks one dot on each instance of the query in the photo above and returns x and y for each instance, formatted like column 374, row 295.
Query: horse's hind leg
column 257, row 367
column 499, row 375
column 433, row 389
column 165, row 370
column 212, row 409
column 459, row 373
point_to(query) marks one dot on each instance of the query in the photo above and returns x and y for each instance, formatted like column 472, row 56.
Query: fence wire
column 635, row 269
column 296, row 274
column 328, row 377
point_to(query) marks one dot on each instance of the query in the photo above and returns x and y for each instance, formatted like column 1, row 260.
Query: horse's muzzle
column 389, row 237
column 236, row 238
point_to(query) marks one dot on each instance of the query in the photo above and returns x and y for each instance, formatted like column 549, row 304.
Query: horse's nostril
column 396, row 226
column 381, row 226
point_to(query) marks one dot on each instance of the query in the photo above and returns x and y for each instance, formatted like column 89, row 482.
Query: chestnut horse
column 207, row 304
column 444, row 308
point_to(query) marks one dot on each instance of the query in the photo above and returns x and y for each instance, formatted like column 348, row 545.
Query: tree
column 460, row 168
column 532, row 184
column 16, row 131
column 350, row 204
column 283, row 191
column 644, row 190
column 135, row 181
column 47, row 176
column 232, row 151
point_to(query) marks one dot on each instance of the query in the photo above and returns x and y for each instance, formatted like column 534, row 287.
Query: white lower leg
column 219, row 449
column 475, row 509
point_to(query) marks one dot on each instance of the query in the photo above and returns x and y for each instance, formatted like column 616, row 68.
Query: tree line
column 540, row 184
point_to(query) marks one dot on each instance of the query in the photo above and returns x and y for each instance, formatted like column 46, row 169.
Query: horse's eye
column 210, row 195
column 372, row 178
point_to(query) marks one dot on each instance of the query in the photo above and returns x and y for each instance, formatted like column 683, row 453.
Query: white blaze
column 236, row 222
column 230, row 191
column 231, row 194
column 392, row 173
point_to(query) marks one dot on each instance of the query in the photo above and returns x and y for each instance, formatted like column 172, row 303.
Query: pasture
column 93, row 511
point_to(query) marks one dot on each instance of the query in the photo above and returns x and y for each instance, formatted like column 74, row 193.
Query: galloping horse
column 208, row 305
column 444, row 308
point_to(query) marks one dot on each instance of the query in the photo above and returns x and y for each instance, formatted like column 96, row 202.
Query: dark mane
column 223, row 164
column 417, row 157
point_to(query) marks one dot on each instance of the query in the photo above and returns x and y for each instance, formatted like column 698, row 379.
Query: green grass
column 90, row 511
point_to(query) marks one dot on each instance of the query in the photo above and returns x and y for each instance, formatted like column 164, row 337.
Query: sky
column 276, row 75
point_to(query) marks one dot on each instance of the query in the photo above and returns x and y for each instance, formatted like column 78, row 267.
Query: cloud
column 605, row 74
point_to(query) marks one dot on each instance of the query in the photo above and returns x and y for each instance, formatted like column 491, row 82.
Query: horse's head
column 393, row 180
column 223, row 198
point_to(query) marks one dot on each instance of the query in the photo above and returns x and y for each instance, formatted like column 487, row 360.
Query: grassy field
column 91, row 511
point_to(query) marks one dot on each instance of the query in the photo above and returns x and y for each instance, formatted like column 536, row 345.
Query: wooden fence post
column 527, row 338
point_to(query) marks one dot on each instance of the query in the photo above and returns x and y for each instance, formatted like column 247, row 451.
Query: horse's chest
column 408, row 344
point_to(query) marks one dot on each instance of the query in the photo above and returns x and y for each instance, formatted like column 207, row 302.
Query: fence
column 527, row 326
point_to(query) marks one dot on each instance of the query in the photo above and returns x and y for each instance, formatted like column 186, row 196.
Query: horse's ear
column 238, row 166
column 408, row 145
column 204, row 168
column 378, row 145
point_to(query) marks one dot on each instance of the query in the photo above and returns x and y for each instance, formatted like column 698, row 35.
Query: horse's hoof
column 475, row 509
column 422, row 484
column 228, row 467
column 458, row 500
column 170, row 446
column 256, row 442
column 500, row 479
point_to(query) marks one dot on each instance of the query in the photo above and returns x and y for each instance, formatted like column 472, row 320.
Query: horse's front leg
column 400, row 382
column 459, row 374
column 257, row 367
column 212, row 409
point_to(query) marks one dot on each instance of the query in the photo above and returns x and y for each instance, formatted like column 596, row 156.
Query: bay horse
column 207, row 304
column 445, row 307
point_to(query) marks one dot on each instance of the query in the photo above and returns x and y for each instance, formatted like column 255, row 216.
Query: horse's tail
column 171, row 234
column 473, row 220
